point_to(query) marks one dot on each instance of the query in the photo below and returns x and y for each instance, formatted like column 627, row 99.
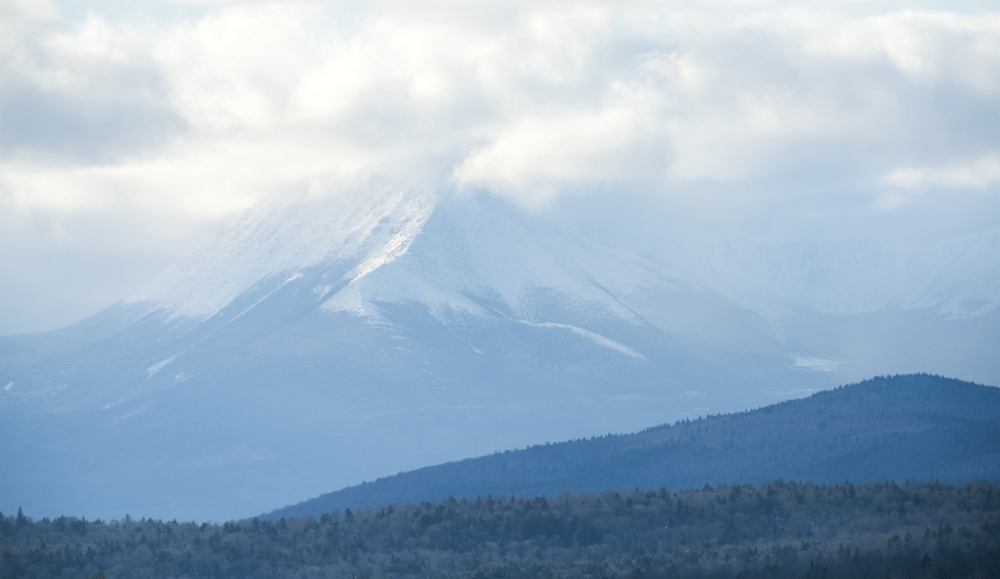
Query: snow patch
column 593, row 337
column 146, row 407
column 347, row 300
column 818, row 364
column 152, row 370
column 397, row 245
column 320, row 291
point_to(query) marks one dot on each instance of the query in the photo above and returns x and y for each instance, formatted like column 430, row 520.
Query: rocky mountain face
column 321, row 341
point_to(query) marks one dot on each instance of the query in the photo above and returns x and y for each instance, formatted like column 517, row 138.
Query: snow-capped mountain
column 957, row 279
column 322, row 340
column 400, row 246
column 864, row 308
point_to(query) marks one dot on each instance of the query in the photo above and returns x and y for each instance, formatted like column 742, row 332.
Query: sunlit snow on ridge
column 155, row 368
column 359, row 249
column 817, row 364
column 281, row 236
column 594, row 337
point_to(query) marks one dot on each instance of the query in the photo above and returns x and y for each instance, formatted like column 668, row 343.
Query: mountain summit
column 472, row 256
column 322, row 340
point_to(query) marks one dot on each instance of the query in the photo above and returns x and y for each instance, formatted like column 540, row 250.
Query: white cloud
column 765, row 108
column 89, row 93
column 979, row 174
column 536, row 159
column 928, row 46
column 527, row 100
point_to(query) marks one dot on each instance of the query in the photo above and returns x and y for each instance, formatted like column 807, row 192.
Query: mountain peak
column 282, row 236
column 472, row 254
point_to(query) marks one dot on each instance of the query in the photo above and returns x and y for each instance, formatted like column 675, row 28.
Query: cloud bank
column 835, row 116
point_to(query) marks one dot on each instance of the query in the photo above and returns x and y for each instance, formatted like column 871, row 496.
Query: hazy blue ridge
column 905, row 427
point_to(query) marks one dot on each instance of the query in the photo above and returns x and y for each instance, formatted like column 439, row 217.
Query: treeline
column 777, row 530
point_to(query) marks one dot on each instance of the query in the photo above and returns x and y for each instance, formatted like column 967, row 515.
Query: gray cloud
column 762, row 119
column 37, row 123
column 84, row 95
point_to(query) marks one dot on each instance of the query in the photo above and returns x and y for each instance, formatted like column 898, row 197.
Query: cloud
column 87, row 94
column 528, row 101
column 765, row 113
column 538, row 159
column 979, row 174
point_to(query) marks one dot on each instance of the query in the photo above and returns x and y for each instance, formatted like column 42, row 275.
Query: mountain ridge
column 862, row 432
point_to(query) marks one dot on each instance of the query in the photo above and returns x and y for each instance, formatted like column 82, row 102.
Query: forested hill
column 775, row 531
column 910, row 427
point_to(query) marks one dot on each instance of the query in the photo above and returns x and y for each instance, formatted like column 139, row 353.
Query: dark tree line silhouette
column 776, row 530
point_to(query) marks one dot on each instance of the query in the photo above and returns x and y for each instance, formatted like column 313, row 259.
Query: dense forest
column 776, row 530
column 908, row 427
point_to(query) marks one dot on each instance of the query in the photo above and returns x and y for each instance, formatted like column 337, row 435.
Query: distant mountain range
column 899, row 428
column 319, row 341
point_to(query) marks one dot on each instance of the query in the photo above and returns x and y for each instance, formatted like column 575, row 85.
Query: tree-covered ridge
column 775, row 530
column 909, row 427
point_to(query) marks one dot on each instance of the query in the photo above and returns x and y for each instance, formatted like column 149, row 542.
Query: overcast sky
column 129, row 131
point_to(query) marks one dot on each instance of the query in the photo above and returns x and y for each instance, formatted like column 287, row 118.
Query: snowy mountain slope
column 281, row 236
column 473, row 253
column 957, row 279
column 483, row 258
column 322, row 340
